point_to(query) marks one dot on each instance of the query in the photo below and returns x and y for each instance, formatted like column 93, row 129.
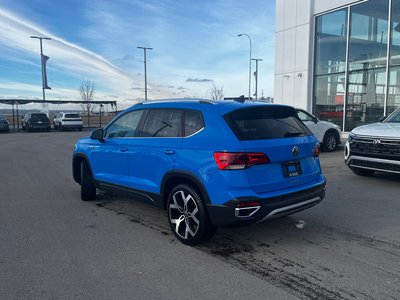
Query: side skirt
column 138, row 195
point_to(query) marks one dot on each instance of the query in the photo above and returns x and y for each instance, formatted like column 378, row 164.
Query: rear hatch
column 39, row 119
column 73, row 119
column 291, row 148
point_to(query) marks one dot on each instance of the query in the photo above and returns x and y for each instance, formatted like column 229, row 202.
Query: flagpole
column 43, row 61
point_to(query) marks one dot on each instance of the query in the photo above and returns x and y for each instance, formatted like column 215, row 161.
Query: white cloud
column 77, row 61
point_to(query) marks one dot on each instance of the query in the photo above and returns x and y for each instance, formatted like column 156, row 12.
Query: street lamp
column 256, row 74
column 249, row 61
column 145, row 71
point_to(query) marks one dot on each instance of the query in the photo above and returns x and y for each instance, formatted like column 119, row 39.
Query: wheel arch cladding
column 331, row 130
column 76, row 166
column 172, row 179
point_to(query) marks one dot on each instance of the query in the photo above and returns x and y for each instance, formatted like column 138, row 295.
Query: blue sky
column 195, row 45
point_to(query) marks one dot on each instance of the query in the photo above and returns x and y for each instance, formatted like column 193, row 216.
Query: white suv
column 327, row 133
column 68, row 121
column 375, row 147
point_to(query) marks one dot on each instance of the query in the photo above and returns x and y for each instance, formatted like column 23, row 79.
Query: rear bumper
column 71, row 124
column 38, row 126
column 228, row 214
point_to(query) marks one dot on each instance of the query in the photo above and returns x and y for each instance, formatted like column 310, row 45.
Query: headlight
column 75, row 147
column 351, row 137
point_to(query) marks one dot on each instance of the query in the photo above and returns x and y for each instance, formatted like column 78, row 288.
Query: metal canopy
column 27, row 101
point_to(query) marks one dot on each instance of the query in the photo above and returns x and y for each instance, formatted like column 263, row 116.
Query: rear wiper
column 291, row 134
column 166, row 125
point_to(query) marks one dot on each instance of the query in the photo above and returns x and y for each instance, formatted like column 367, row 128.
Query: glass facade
column 357, row 63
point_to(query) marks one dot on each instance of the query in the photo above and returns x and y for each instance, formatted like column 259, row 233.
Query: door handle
column 169, row 152
column 123, row 149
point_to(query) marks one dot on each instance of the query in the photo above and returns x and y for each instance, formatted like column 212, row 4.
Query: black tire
column 80, row 128
column 88, row 189
column 331, row 141
column 362, row 172
column 188, row 217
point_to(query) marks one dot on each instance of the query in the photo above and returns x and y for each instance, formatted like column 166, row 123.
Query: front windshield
column 393, row 117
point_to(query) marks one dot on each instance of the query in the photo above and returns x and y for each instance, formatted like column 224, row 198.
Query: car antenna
column 240, row 99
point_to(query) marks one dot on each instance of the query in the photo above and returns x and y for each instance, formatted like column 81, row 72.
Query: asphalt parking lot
column 54, row 246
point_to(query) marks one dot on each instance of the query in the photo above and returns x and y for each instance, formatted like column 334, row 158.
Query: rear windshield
column 38, row 116
column 265, row 122
column 72, row 116
column 2, row 117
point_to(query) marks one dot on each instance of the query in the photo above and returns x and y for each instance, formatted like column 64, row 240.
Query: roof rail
column 206, row 102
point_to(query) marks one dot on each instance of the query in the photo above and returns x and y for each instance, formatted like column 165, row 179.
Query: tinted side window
column 193, row 122
column 125, row 126
column 163, row 123
column 265, row 122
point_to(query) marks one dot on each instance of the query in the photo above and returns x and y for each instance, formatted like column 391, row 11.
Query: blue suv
column 207, row 163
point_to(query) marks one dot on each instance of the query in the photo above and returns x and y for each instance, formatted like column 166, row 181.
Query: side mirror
column 98, row 134
column 381, row 119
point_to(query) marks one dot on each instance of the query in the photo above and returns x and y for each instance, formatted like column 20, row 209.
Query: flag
column 44, row 74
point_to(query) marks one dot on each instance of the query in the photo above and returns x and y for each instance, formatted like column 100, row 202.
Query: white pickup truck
column 375, row 147
column 68, row 121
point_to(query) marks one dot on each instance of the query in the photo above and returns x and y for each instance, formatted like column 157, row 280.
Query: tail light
column 317, row 150
column 239, row 160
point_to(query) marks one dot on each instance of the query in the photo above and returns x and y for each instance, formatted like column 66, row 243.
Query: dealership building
column 339, row 59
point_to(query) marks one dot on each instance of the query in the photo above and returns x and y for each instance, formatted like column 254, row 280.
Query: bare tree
column 87, row 92
column 217, row 93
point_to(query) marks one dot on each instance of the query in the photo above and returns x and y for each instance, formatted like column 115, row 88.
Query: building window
column 393, row 100
column 356, row 83
column 330, row 65
column 330, row 46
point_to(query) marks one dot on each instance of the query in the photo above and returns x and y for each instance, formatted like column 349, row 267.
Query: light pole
column 256, row 74
column 145, row 71
column 40, row 38
column 249, row 61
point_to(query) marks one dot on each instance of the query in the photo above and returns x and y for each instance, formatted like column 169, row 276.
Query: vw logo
column 295, row 151
column 376, row 142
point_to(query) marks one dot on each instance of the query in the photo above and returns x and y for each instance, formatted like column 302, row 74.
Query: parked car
column 327, row 133
column 33, row 121
column 375, row 147
column 208, row 163
column 68, row 121
column 4, row 125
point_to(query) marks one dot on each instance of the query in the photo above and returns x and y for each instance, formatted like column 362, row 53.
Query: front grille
column 375, row 165
column 376, row 147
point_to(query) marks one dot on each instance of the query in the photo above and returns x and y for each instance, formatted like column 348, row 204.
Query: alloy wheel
column 331, row 143
column 184, row 215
